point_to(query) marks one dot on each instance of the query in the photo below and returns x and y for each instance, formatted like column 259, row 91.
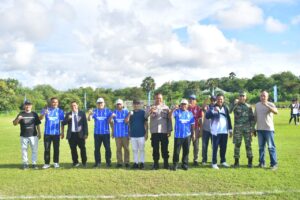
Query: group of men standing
column 211, row 121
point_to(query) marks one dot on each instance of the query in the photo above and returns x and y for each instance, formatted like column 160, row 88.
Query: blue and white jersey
column 120, row 127
column 52, row 120
column 183, row 123
column 101, row 117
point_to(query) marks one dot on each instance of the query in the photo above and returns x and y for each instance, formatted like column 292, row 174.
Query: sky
column 117, row 43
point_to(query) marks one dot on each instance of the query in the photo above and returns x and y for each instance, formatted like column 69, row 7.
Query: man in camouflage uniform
column 243, row 127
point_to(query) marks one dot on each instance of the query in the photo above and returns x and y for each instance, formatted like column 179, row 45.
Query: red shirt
column 197, row 112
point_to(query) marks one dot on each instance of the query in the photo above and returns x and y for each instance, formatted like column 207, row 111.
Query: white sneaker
column 46, row 166
column 215, row 166
column 224, row 164
column 56, row 165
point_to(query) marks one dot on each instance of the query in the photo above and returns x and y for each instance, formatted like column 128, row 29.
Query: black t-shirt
column 28, row 124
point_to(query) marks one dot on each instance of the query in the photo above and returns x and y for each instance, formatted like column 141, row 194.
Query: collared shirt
column 101, row 116
column 73, row 121
column 197, row 112
column 52, row 120
column 120, row 127
column 183, row 122
column 159, row 120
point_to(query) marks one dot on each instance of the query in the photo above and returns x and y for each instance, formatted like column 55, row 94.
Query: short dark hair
column 158, row 93
column 74, row 101
column 220, row 95
column 53, row 98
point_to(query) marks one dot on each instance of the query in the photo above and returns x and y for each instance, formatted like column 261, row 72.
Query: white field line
column 198, row 194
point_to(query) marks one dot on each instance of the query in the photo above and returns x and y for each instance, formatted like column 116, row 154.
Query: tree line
column 13, row 93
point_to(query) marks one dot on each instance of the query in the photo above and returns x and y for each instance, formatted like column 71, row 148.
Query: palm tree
column 148, row 85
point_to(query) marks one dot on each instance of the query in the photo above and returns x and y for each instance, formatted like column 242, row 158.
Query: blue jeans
column 263, row 138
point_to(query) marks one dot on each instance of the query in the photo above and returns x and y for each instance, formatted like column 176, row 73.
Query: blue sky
column 115, row 44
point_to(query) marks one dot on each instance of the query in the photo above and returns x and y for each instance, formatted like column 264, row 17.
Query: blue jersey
column 101, row 117
column 120, row 127
column 183, row 123
column 137, row 123
column 52, row 120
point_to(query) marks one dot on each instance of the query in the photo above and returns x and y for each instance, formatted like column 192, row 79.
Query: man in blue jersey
column 119, row 118
column 184, row 131
column 53, row 131
column 101, row 117
column 138, row 132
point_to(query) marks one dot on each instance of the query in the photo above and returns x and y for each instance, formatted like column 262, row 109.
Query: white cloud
column 241, row 14
column 73, row 43
column 274, row 25
column 296, row 20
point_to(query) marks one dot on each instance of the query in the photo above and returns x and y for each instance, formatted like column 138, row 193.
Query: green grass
column 117, row 182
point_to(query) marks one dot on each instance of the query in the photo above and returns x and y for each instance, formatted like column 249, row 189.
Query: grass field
column 197, row 183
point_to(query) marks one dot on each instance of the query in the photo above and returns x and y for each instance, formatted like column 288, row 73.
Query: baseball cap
column 184, row 101
column 100, row 100
column 213, row 98
column 242, row 93
column 27, row 102
column 119, row 101
column 192, row 96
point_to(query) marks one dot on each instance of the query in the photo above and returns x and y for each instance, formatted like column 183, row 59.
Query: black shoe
column 195, row 163
column 119, row 165
column 35, row 166
column 108, row 165
column 174, row 167
column 142, row 166
column 127, row 165
column 135, row 166
column 155, row 166
column 84, row 165
column 97, row 165
column 75, row 164
column 236, row 163
column 184, row 167
column 249, row 163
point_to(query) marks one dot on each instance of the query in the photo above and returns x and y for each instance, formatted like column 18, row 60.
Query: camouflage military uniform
column 243, row 127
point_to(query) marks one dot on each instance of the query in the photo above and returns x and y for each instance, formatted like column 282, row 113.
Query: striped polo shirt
column 101, row 116
column 183, row 122
column 120, row 127
column 52, row 120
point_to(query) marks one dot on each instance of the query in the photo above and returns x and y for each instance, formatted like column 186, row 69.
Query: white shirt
column 73, row 122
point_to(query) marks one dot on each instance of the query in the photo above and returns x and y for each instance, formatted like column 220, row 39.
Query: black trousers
column 48, row 139
column 105, row 139
column 163, row 139
column 75, row 141
column 185, row 144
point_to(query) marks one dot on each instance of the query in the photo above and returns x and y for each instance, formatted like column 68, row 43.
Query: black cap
column 213, row 98
column 136, row 101
column 27, row 102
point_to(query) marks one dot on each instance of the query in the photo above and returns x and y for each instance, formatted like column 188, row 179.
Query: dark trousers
column 105, row 139
column 75, row 141
column 163, row 139
column 185, row 144
column 206, row 135
column 219, row 140
column 294, row 116
column 48, row 139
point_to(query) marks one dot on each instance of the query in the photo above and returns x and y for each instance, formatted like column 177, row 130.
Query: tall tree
column 232, row 75
column 148, row 85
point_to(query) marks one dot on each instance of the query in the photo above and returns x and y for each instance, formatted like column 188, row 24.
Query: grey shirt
column 264, row 117
column 159, row 120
